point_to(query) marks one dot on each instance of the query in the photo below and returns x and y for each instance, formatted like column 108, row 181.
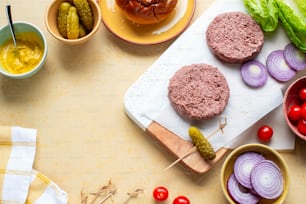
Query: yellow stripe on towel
column 5, row 136
column 37, row 187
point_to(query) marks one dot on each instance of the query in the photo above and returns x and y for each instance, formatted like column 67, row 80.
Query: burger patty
column 234, row 37
column 198, row 92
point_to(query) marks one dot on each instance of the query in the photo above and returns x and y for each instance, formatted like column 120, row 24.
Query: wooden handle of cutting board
column 178, row 147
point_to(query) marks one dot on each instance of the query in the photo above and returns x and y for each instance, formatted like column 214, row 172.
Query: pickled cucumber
column 73, row 25
column 85, row 13
column 82, row 31
column 202, row 144
column 62, row 18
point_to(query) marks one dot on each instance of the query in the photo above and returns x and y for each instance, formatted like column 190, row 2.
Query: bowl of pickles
column 73, row 21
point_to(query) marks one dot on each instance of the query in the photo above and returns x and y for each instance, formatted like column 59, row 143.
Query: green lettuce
column 264, row 12
column 292, row 14
column 301, row 4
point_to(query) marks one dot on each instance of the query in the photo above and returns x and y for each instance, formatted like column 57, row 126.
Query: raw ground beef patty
column 198, row 92
column 234, row 37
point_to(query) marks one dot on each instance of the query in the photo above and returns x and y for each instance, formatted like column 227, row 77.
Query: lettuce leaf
column 292, row 15
column 264, row 12
column 301, row 4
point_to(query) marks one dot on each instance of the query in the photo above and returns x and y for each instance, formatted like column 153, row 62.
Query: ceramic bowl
column 23, row 29
column 268, row 153
column 291, row 97
column 51, row 22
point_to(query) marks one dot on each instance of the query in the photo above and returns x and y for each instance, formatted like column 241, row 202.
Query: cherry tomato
column 265, row 133
column 303, row 111
column 302, row 94
column 301, row 126
column 181, row 200
column 295, row 113
column 160, row 193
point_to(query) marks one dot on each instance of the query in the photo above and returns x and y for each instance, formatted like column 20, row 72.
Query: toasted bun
column 146, row 11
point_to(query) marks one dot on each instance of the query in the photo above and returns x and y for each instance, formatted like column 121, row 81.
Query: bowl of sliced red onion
column 294, row 107
column 254, row 173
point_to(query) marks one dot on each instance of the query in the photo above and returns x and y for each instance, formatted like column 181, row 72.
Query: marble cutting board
column 146, row 101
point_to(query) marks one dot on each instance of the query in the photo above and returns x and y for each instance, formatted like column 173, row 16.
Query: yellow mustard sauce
column 28, row 55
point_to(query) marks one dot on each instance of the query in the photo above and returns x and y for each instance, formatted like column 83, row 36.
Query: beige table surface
column 84, row 137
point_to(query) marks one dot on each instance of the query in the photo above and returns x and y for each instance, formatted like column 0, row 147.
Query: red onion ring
column 243, row 166
column 295, row 58
column 239, row 193
column 254, row 73
column 267, row 179
column 278, row 67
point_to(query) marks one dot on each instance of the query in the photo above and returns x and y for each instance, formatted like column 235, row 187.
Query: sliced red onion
column 278, row 67
column 254, row 73
column 243, row 166
column 239, row 193
column 295, row 58
column 267, row 179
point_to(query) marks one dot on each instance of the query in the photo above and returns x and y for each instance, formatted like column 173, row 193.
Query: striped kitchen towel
column 44, row 191
column 19, row 183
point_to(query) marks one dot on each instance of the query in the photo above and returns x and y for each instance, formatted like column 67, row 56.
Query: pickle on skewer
column 194, row 149
column 202, row 144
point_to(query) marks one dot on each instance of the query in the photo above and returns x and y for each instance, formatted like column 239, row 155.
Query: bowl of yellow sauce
column 30, row 54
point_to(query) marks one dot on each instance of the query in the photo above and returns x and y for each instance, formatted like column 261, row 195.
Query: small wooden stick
column 110, row 194
column 194, row 149
column 108, row 190
column 84, row 198
column 133, row 194
column 182, row 157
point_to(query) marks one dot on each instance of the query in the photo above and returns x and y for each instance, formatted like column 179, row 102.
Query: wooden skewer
column 108, row 191
column 182, row 157
column 194, row 149
column 110, row 194
column 133, row 194
column 84, row 198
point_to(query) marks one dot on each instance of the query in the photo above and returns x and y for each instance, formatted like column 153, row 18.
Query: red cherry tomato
column 265, row 133
column 181, row 200
column 302, row 94
column 295, row 113
column 160, row 193
column 301, row 126
column 303, row 111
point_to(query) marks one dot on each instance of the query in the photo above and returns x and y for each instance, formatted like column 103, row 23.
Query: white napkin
column 19, row 183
